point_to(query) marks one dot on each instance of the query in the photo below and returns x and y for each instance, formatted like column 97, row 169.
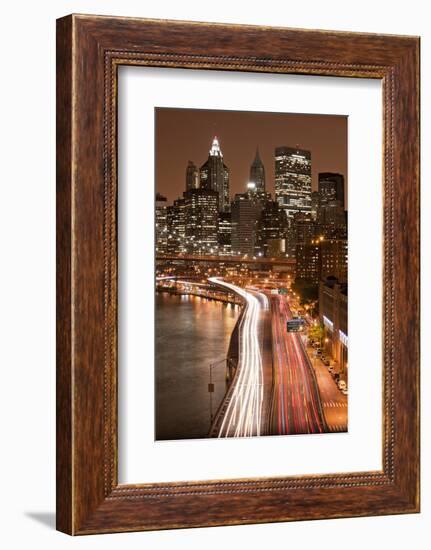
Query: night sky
column 186, row 134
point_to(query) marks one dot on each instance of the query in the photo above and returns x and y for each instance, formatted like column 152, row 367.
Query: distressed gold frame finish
column 89, row 51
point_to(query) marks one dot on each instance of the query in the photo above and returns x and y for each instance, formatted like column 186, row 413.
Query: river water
column 191, row 334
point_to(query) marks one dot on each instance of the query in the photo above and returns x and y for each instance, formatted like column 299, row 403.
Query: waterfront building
column 161, row 228
column 214, row 176
column 293, row 180
column 201, row 221
column 175, row 218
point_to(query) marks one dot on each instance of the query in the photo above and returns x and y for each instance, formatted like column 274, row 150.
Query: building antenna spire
column 215, row 150
column 257, row 156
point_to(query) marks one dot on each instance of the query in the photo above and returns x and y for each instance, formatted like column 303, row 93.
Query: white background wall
column 27, row 297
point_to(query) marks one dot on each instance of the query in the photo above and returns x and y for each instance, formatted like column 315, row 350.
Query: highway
column 243, row 412
column 297, row 407
column 275, row 390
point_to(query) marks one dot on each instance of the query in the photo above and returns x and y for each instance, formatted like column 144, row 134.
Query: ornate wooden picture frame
column 89, row 51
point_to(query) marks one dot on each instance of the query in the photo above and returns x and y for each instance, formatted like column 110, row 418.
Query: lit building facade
column 246, row 209
column 175, row 218
column 293, row 180
column 201, row 221
column 214, row 176
column 308, row 263
column 334, row 259
column 301, row 230
column 161, row 225
column 304, row 228
column 321, row 258
column 271, row 231
column 225, row 233
column 333, row 312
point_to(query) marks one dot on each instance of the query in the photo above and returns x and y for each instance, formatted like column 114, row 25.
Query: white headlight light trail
column 243, row 415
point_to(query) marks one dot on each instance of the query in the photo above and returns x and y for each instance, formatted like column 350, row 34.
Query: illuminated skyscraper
column 201, row 221
column 293, row 180
column 161, row 225
column 257, row 174
column 225, row 233
column 214, row 176
column 175, row 218
column 246, row 210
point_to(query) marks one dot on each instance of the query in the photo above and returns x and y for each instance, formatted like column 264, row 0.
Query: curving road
column 297, row 407
column 243, row 413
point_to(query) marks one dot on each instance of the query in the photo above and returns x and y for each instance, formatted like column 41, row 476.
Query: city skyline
column 208, row 220
column 251, row 275
column 186, row 135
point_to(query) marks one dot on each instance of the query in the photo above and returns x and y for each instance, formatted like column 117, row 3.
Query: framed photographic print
column 237, row 274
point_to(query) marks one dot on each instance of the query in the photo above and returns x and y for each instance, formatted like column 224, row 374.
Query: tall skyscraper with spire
column 214, row 176
column 257, row 174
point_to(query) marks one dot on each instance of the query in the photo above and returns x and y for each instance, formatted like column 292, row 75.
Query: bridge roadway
column 227, row 259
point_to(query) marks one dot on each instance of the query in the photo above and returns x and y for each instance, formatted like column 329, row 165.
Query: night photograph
column 251, row 274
